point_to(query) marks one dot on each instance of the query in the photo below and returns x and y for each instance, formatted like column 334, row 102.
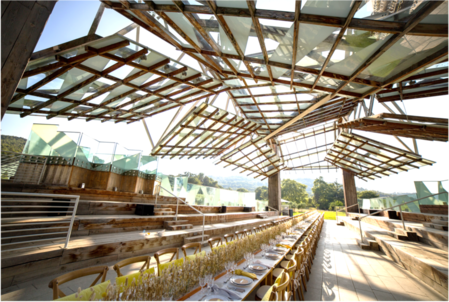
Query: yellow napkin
column 284, row 245
column 246, row 274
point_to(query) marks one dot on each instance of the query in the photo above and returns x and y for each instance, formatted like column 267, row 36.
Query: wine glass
column 202, row 281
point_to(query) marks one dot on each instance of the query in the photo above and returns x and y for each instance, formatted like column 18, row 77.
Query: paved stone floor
column 342, row 271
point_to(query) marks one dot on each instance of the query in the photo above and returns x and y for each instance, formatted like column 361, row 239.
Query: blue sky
column 72, row 19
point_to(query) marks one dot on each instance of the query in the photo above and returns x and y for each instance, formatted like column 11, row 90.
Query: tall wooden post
column 274, row 188
column 22, row 26
column 350, row 191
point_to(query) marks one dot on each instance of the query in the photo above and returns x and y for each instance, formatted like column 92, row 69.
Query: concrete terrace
column 342, row 271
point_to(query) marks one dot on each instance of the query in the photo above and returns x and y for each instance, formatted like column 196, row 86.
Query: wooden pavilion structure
column 299, row 77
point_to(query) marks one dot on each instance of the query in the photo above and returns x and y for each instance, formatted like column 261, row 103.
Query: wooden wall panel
column 22, row 26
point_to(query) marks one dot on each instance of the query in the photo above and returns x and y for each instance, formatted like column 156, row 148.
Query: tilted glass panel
column 354, row 49
column 438, row 16
column 189, row 30
column 394, row 11
column 408, row 51
column 314, row 44
column 333, row 8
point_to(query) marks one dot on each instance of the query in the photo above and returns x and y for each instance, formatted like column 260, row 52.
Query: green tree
column 324, row 193
column 262, row 193
column 294, row 192
column 334, row 204
column 367, row 194
column 204, row 180
column 242, row 190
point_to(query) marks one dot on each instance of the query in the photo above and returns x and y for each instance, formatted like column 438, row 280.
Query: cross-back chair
column 229, row 237
column 145, row 259
column 240, row 234
column 193, row 245
column 214, row 242
column 56, row 282
column 174, row 252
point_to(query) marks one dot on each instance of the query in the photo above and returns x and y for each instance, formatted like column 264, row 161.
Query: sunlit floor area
column 342, row 271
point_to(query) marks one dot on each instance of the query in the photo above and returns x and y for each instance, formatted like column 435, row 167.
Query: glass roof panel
column 314, row 44
column 394, row 11
column 334, row 8
column 370, row 159
column 354, row 49
column 403, row 54
column 280, row 5
column 438, row 16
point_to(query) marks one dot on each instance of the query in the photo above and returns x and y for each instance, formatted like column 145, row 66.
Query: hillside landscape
column 13, row 143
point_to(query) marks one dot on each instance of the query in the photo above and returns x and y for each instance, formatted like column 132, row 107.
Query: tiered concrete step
column 439, row 224
column 427, row 263
column 177, row 225
column 432, row 236
column 368, row 244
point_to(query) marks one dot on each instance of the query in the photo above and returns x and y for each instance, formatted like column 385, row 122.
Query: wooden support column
column 22, row 26
column 274, row 188
column 350, row 191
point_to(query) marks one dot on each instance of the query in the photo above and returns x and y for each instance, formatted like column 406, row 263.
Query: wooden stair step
column 180, row 227
column 402, row 234
column 31, row 243
column 439, row 221
column 23, row 238
column 162, row 210
column 163, row 213
column 18, row 232
column 175, row 222
column 197, row 238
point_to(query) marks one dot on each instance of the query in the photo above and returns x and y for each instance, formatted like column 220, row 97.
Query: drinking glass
column 202, row 281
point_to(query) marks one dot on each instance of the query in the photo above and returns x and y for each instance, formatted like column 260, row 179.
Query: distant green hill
column 13, row 143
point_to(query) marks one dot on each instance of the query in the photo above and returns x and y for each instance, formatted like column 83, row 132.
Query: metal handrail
column 344, row 208
column 272, row 208
column 177, row 204
column 400, row 210
column 72, row 219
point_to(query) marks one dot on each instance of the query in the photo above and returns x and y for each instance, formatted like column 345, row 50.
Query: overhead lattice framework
column 306, row 150
column 349, row 49
column 108, row 79
column 418, row 127
column 256, row 157
column 431, row 81
column 370, row 159
column 205, row 131
column 289, row 69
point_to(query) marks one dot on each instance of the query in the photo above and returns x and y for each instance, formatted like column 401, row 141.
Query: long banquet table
column 195, row 295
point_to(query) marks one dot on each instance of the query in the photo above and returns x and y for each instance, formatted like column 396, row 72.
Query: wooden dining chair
column 229, row 237
column 247, row 231
column 145, row 259
column 278, row 292
column 255, row 230
column 174, row 252
column 56, row 282
column 240, row 234
column 217, row 241
column 193, row 245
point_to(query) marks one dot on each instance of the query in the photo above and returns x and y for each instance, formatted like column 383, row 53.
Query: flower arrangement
column 178, row 280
